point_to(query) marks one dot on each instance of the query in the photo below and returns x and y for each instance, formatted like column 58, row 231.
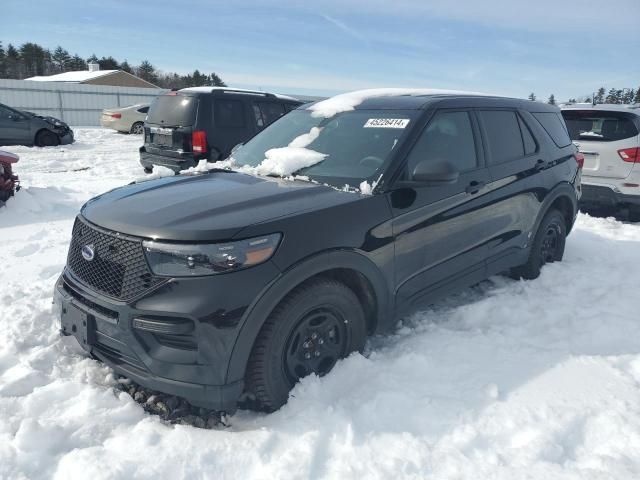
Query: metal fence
column 75, row 104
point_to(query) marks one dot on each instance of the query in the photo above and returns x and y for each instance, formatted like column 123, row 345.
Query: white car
column 609, row 138
column 127, row 119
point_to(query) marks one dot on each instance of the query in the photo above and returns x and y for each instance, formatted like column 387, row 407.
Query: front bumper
column 177, row 339
column 606, row 196
column 67, row 138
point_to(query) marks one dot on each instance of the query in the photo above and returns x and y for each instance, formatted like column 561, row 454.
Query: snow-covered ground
column 508, row 380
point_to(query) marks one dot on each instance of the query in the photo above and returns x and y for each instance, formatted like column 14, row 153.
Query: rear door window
column 449, row 137
column 173, row 110
column 601, row 126
column 554, row 125
column 143, row 109
column 229, row 113
column 504, row 136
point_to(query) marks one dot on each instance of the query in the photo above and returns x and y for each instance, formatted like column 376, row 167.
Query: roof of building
column 75, row 77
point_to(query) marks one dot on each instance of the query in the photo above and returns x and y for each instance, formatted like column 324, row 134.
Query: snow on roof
column 209, row 89
column 78, row 76
column 348, row 101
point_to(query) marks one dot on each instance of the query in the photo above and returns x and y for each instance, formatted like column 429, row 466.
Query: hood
column 51, row 120
column 209, row 207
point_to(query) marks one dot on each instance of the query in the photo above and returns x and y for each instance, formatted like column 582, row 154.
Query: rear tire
column 315, row 325
column 547, row 247
column 634, row 215
column 137, row 128
column 45, row 138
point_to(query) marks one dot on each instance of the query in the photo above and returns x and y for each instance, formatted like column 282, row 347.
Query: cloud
column 345, row 28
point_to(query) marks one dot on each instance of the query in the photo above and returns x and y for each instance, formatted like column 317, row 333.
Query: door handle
column 541, row 165
column 474, row 187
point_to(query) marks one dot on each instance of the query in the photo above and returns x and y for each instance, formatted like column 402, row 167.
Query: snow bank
column 507, row 380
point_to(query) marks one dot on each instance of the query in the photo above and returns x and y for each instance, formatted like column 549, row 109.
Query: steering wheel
column 371, row 160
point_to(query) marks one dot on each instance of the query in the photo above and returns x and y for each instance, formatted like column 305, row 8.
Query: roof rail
column 241, row 91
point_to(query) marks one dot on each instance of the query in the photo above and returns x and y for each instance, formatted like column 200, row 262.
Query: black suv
column 205, row 123
column 226, row 285
column 18, row 127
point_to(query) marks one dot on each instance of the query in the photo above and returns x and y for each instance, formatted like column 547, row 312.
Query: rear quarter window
column 600, row 126
column 554, row 125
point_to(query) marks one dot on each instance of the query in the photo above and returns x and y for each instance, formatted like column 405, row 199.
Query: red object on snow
column 9, row 183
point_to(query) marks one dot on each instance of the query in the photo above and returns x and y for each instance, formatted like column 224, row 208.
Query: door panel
column 441, row 231
column 515, row 187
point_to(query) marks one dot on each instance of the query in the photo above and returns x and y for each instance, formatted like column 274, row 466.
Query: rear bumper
column 172, row 161
column 606, row 196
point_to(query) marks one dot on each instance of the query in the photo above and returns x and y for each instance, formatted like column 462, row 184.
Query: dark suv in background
column 205, row 123
column 228, row 285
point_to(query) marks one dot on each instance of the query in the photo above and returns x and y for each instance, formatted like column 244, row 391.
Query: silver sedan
column 127, row 119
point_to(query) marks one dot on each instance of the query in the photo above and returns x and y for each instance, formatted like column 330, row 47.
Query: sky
column 565, row 47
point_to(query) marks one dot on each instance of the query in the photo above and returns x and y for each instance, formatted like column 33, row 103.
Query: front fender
column 256, row 314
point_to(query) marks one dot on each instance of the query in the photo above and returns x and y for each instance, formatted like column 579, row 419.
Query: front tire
column 316, row 325
column 45, row 138
column 547, row 247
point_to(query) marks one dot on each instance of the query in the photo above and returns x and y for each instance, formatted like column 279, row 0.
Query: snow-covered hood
column 208, row 207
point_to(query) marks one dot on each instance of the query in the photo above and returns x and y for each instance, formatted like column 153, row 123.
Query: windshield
column 173, row 110
column 604, row 126
column 347, row 148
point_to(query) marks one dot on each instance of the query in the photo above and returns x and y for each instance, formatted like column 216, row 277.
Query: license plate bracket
column 79, row 324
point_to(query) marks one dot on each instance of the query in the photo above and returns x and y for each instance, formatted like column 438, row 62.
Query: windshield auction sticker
column 387, row 123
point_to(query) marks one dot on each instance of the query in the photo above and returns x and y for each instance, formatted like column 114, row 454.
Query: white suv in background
column 609, row 138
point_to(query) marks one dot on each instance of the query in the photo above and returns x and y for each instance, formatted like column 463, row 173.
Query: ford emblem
column 88, row 252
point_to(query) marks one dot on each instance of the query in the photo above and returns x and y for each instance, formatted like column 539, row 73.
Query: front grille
column 118, row 268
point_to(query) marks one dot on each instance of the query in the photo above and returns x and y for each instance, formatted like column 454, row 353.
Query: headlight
column 182, row 260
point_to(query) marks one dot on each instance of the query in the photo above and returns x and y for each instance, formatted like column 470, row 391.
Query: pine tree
column 611, row 96
column 636, row 99
column 77, row 63
column 3, row 64
column 552, row 99
column 627, row 97
column 61, row 59
column 12, row 62
column 599, row 98
column 108, row 63
column 147, row 72
column 124, row 66
column 92, row 59
column 532, row 97
column 216, row 81
column 572, row 100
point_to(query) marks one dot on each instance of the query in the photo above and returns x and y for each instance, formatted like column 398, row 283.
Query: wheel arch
column 39, row 131
column 563, row 198
column 351, row 268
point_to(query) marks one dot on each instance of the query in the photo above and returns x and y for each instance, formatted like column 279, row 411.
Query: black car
column 205, row 123
column 18, row 127
column 227, row 285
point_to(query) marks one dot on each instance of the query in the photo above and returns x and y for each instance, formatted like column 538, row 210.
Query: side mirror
column 435, row 172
